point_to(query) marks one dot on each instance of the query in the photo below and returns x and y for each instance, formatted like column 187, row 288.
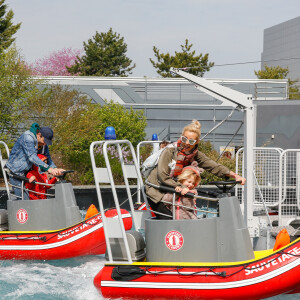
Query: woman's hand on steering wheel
column 237, row 177
column 240, row 178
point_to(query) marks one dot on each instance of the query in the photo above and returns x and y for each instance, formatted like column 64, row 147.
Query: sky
column 230, row 31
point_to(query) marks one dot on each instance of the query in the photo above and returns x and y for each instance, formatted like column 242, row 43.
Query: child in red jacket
column 34, row 175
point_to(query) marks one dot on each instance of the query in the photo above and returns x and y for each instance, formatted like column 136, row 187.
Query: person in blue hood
column 23, row 155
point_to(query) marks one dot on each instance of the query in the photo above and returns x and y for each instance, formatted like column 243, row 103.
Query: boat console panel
column 46, row 214
column 219, row 239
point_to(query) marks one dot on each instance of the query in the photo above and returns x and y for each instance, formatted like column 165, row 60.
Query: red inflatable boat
column 269, row 274
column 84, row 238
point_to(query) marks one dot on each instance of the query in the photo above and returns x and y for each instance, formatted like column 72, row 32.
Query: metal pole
column 249, row 142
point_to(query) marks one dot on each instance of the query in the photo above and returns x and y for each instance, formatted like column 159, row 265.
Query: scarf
column 183, row 159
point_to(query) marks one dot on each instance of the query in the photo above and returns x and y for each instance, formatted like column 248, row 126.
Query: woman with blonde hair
column 174, row 159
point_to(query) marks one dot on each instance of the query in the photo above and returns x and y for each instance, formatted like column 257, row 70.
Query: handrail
column 138, row 155
column 190, row 208
column 191, row 195
column 139, row 146
column 2, row 167
column 109, row 178
column 25, row 179
column 172, row 190
column 6, row 147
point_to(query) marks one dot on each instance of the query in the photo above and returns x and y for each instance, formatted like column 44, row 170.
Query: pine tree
column 279, row 72
column 7, row 29
column 196, row 64
column 105, row 55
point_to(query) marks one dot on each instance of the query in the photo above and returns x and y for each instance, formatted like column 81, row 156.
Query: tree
column 55, row 64
column 77, row 122
column 279, row 73
column 51, row 105
column 272, row 73
column 196, row 64
column 207, row 148
column 16, row 87
column 105, row 55
column 7, row 29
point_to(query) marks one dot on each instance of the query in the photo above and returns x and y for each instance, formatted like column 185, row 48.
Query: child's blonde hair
column 186, row 174
column 195, row 127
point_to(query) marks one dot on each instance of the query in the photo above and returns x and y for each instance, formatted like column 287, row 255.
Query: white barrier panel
column 266, row 170
column 289, row 204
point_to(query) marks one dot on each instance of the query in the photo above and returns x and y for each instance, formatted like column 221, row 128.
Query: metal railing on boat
column 138, row 155
column 6, row 173
column 114, row 227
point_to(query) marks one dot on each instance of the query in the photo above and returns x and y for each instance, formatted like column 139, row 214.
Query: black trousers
column 160, row 207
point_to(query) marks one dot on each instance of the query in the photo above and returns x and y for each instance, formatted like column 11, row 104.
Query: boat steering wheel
column 225, row 185
column 62, row 177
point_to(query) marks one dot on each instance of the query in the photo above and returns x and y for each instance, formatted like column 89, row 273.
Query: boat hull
column 85, row 238
column 275, row 274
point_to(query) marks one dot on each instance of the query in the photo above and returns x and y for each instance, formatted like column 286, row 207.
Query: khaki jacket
column 160, row 175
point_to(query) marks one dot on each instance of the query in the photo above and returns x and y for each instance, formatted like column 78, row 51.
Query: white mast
column 245, row 103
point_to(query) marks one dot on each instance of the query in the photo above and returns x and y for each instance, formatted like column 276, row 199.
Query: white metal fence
column 276, row 183
column 289, row 203
column 266, row 172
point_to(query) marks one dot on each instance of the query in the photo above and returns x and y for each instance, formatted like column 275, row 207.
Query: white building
column 281, row 47
column 171, row 103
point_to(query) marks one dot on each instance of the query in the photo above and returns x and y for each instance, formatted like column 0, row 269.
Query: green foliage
column 294, row 92
column 66, row 112
column 209, row 151
column 16, row 87
column 77, row 123
column 196, row 64
column 272, row 73
column 129, row 124
column 7, row 29
column 51, row 105
column 88, row 126
column 105, row 55
column 279, row 73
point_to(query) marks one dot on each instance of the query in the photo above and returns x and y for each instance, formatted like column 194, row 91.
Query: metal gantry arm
column 224, row 94
column 245, row 103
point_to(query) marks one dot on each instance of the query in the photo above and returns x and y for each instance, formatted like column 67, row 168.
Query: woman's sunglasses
column 185, row 139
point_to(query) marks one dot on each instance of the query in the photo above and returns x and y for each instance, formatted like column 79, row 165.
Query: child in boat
column 35, row 175
column 189, row 179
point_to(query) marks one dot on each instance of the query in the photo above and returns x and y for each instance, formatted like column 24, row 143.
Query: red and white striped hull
column 275, row 274
column 85, row 238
